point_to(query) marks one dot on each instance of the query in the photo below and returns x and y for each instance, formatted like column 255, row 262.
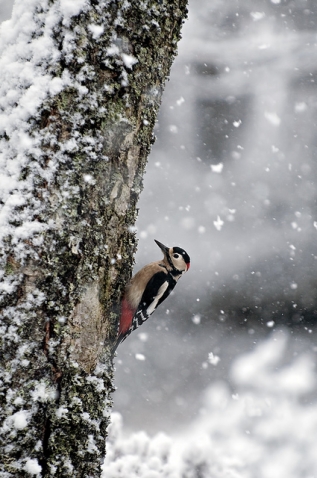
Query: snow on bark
column 80, row 86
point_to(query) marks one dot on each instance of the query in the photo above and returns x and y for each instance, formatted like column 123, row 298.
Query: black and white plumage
column 149, row 288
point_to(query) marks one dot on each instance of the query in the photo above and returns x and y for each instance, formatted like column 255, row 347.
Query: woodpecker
column 149, row 288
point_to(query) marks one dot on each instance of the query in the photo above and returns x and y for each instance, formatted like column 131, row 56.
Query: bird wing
column 157, row 289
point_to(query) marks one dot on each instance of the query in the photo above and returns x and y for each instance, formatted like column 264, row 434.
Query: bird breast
column 138, row 283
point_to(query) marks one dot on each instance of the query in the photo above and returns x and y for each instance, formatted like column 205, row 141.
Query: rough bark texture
column 66, row 280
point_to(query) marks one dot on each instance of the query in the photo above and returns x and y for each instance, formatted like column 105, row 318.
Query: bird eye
column 176, row 256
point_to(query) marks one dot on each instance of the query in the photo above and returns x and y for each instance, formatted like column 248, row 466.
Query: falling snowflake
column 140, row 356
column 217, row 168
column 213, row 359
column 218, row 223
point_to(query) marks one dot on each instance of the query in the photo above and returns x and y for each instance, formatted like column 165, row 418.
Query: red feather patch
column 126, row 317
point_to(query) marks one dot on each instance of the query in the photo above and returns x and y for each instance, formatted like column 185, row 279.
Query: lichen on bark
column 68, row 250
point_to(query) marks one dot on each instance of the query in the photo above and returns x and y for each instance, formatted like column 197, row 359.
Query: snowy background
column 221, row 380
column 262, row 425
column 232, row 179
column 226, row 366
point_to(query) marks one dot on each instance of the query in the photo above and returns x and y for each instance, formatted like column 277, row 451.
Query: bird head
column 175, row 258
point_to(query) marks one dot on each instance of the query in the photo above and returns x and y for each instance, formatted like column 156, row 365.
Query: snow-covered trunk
column 80, row 86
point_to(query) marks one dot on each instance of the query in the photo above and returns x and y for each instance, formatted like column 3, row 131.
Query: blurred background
column 232, row 180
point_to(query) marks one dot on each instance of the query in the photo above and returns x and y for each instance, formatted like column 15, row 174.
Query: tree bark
column 83, row 82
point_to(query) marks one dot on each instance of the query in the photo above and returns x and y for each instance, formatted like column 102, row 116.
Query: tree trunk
column 80, row 86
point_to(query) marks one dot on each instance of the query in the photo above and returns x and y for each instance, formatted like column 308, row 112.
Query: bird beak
column 162, row 247
column 188, row 265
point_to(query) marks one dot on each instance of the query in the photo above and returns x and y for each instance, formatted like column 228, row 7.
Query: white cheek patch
column 160, row 293
column 180, row 263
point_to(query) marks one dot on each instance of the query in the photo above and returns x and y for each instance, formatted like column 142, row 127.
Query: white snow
column 257, row 15
column 112, row 50
column 32, row 467
column 128, row 60
column 96, row 30
column 61, row 412
column 196, row 319
column 89, row 179
column 97, row 382
column 180, row 101
column 272, row 118
column 70, row 8
column 92, row 448
column 213, row 359
column 218, row 223
column 263, row 429
column 217, row 168
column 24, row 85
column 143, row 336
column 40, row 393
column 20, row 419
column 140, row 357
